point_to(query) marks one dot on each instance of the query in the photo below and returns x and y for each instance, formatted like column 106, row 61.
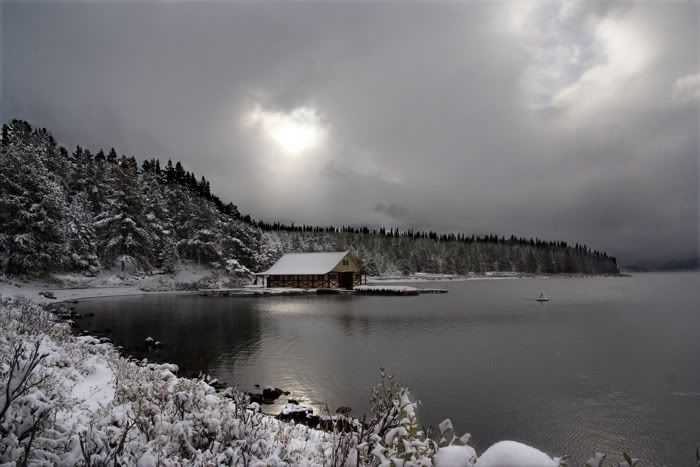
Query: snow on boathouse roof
column 305, row 263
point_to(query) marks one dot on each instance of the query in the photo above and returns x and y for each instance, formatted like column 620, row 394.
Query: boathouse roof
column 306, row 263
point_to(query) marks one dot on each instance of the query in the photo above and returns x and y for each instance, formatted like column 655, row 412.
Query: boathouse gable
column 348, row 264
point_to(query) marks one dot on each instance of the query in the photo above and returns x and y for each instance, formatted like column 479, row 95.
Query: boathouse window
column 345, row 262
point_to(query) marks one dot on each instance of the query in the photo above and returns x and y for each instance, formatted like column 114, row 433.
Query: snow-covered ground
column 190, row 278
column 33, row 290
column 75, row 400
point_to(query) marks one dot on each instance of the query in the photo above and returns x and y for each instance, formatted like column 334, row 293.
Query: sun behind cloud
column 295, row 132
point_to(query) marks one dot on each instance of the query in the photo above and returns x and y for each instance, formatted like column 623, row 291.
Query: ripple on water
column 589, row 370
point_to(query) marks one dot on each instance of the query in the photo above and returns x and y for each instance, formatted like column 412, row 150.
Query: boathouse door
column 345, row 280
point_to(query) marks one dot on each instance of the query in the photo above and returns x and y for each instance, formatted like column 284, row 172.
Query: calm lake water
column 607, row 364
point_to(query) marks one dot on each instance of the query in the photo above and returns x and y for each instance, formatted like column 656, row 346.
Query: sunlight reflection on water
column 607, row 364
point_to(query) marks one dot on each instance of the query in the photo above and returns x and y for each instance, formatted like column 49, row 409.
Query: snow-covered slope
column 79, row 212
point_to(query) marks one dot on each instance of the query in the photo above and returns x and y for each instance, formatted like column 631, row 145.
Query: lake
column 608, row 364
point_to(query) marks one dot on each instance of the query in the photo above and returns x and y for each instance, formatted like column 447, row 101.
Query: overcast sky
column 574, row 121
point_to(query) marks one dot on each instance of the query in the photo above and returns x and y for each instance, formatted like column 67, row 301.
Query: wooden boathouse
column 328, row 270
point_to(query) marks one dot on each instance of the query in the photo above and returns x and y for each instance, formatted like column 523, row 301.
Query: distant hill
column 677, row 264
column 632, row 268
column 683, row 264
column 87, row 212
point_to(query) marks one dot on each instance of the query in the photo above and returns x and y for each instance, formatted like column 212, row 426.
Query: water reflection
column 198, row 334
column 595, row 368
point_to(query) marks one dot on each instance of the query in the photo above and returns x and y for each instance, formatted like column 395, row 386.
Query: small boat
column 542, row 297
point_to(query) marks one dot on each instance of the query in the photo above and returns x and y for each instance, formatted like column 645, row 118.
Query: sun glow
column 294, row 132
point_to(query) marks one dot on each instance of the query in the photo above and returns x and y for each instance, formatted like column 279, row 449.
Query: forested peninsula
column 88, row 211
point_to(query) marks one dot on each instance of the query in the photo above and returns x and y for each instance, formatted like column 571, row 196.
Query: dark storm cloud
column 564, row 120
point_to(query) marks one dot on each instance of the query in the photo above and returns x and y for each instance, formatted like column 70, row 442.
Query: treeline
column 176, row 174
column 84, row 212
column 431, row 235
column 387, row 253
column 395, row 251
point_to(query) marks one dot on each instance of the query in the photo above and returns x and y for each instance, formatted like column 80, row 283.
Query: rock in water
column 272, row 393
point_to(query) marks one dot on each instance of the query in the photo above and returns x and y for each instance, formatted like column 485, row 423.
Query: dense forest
column 396, row 252
column 79, row 211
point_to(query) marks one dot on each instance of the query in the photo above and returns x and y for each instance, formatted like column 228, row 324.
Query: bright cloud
column 686, row 88
column 580, row 55
column 625, row 52
column 296, row 131
column 557, row 38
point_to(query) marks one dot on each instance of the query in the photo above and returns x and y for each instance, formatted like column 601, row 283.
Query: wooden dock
column 216, row 292
column 394, row 290
column 363, row 290
column 251, row 292
column 422, row 291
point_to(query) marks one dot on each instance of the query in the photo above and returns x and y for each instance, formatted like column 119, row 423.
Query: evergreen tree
column 32, row 203
column 5, row 135
column 82, row 239
column 180, row 176
column 159, row 223
column 112, row 156
column 121, row 225
column 531, row 262
column 79, row 179
column 170, row 172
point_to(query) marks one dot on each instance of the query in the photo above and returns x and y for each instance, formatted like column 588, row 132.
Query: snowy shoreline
column 83, row 402
column 68, row 287
column 94, row 396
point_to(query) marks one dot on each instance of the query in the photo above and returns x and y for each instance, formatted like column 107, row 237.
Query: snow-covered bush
column 74, row 400
column 29, row 393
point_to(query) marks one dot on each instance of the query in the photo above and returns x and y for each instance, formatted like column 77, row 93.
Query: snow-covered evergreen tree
column 82, row 239
column 121, row 226
column 32, row 202
column 159, row 222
